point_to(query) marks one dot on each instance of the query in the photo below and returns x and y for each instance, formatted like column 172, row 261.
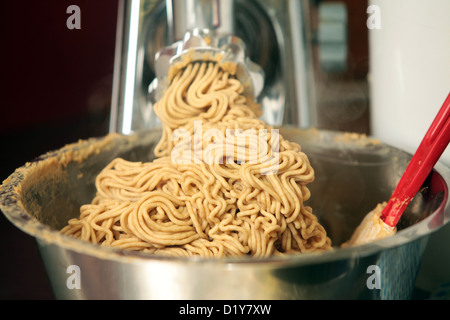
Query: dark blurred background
column 56, row 89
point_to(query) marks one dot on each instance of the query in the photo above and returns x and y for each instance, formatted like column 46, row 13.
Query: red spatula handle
column 430, row 149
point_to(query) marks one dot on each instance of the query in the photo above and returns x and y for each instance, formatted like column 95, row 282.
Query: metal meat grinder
column 256, row 34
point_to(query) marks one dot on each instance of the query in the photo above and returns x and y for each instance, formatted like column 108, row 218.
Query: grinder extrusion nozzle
column 203, row 45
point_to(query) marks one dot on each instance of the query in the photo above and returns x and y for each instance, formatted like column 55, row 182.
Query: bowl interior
column 353, row 174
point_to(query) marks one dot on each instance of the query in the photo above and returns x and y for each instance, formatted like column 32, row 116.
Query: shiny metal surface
column 351, row 177
column 195, row 45
column 186, row 15
column 271, row 30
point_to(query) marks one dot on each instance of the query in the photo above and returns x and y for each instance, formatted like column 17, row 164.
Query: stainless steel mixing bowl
column 352, row 176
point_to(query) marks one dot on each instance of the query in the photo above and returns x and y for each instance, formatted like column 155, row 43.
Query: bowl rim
column 15, row 212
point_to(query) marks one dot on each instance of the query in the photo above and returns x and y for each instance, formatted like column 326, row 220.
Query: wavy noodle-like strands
column 245, row 197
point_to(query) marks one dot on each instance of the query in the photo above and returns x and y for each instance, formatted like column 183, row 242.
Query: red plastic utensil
column 430, row 149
